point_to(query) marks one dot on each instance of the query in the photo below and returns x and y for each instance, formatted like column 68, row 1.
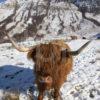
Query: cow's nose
column 47, row 79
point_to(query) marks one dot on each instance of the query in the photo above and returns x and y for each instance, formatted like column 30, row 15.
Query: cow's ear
column 64, row 53
column 32, row 54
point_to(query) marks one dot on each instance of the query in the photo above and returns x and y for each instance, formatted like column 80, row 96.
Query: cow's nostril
column 42, row 81
column 48, row 79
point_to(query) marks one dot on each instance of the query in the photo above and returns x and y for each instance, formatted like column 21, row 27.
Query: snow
column 5, row 15
column 83, row 83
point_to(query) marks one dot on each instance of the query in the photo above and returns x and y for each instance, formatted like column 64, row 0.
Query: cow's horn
column 75, row 53
column 19, row 48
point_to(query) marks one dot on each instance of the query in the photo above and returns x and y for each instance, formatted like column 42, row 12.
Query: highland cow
column 51, row 66
column 53, row 62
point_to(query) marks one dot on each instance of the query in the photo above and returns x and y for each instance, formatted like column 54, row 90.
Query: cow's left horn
column 74, row 53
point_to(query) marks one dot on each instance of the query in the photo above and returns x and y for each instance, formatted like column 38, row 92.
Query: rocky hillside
column 37, row 18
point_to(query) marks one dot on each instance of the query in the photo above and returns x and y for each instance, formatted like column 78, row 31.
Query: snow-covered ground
column 83, row 83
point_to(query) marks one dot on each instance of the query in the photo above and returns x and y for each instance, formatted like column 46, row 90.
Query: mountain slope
column 37, row 18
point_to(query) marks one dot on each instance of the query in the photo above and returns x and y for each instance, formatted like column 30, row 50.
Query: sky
column 2, row 0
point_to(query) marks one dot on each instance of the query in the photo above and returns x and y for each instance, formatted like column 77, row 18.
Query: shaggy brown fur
column 51, row 66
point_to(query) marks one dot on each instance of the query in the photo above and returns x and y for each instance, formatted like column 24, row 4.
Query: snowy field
column 83, row 83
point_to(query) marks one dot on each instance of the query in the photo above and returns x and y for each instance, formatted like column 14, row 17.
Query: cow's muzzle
column 47, row 79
